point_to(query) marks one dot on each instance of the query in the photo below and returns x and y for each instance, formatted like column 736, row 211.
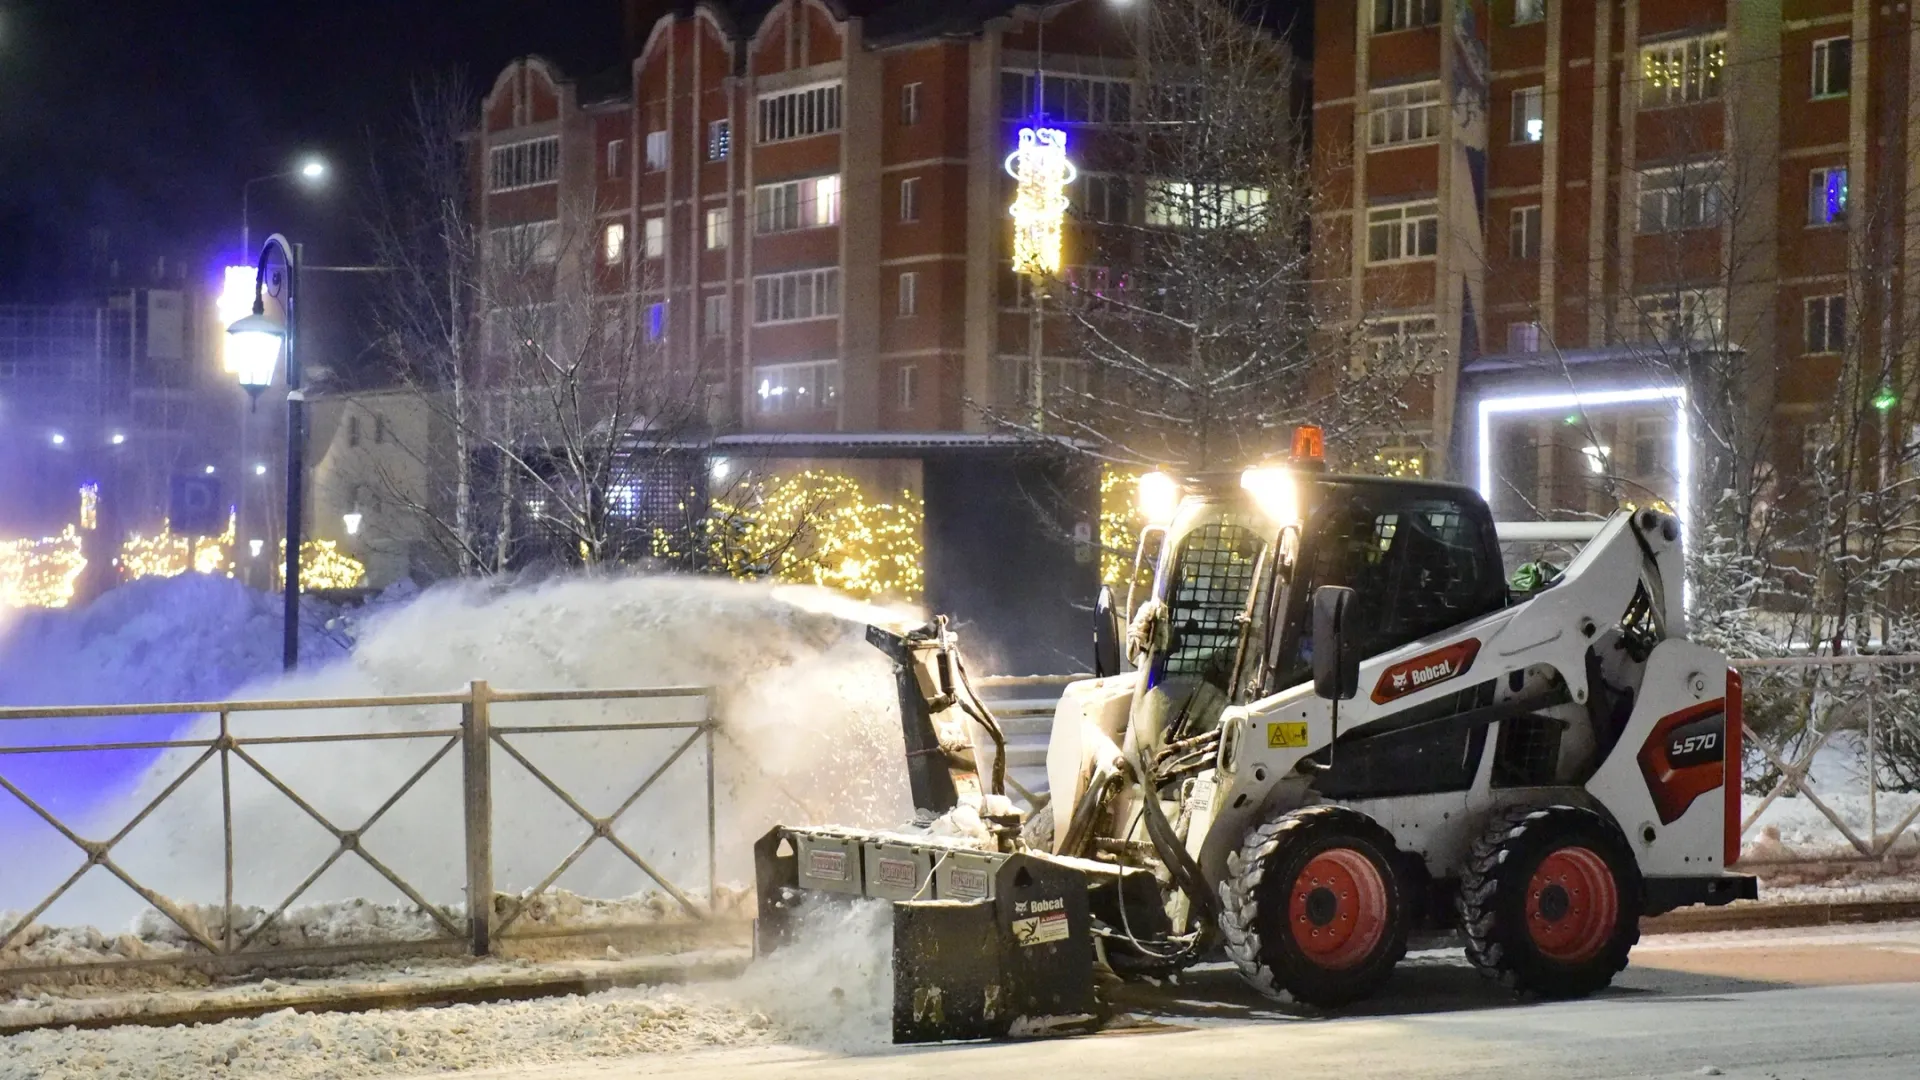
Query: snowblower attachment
column 988, row 940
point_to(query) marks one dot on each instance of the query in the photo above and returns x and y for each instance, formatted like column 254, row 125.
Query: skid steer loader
column 1341, row 726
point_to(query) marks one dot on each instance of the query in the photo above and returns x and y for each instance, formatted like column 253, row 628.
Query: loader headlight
column 1273, row 490
column 1159, row 497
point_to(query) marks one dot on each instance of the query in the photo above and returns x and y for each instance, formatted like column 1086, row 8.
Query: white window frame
column 1523, row 232
column 1527, row 12
column 809, row 203
column 1175, row 203
column 719, row 139
column 796, row 296
column 1652, row 436
column 910, row 104
column 908, row 387
column 1085, row 100
column 1822, row 74
column 1678, row 197
column 1415, row 333
column 1529, row 115
column 1404, row 224
column 656, row 151
column 1681, row 316
column 1101, row 197
column 536, row 243
column 1390, row 16
column 800, row 386
column 713, row 318
column 613, row 242
column 524, row 164
column 1819, row 216
column 1825, row 329
column 654, row 238
column 719, row 227
column 1523, row 337
column 910, row 199
column 908, row 295
column 1405, row 115
column 800, row 113
column 616, row 157
column 1682, row 72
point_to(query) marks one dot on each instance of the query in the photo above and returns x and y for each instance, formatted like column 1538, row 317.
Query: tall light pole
column 312, row 170
column 258, row 341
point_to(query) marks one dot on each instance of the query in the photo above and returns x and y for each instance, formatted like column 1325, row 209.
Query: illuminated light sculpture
column 1040, row 203
column 90, row 507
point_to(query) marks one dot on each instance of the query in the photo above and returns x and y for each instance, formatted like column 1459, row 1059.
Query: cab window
column 1207, row 596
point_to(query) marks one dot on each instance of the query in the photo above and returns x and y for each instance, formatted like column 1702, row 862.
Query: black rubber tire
column 1255, row 901
column 1037, row 830
column 1494, row 897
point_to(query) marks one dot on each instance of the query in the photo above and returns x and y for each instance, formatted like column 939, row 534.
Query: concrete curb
column 1763, row 916
column 437, row 993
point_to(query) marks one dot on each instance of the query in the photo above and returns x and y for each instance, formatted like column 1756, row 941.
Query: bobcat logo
column 1400, row 681
column 1425, row 670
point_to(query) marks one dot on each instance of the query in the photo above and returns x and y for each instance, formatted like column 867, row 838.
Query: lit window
column 1403, row 114
column 909, row 293
column 656, row 320
column 656, row 151
column 797, row 204
column 782, row 388
column 1827, row 196
column 616, row 155
column 1395, row 233
column 1597, row 458
column 1680, row 72
column 1523, row 337
column 1529, row 122
column 656, row 237
column 719, row 227
column 796, row 114
column 910, row 104
column 1205, row 206
column 1832, row 67
column 615, row 246
column 910, row 199
column 1826, row 324
column 1523, row 233
column 719, row 140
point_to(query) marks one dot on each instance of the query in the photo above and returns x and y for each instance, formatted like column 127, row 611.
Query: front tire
column 1550, row 901
column 1313, row 909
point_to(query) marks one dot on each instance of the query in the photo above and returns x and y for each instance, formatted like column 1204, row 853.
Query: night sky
column 145, row 117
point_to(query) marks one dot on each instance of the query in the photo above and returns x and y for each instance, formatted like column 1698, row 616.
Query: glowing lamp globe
column 254, row 344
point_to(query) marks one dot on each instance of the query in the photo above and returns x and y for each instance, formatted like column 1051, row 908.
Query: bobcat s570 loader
column 1340, row 727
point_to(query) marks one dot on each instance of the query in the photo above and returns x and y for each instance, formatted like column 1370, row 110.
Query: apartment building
column 1566, row 204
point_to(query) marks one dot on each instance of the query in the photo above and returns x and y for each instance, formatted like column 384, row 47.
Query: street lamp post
column 259, row 340
column 312, row 170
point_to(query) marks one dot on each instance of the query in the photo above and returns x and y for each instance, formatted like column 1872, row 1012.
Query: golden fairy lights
column 820, row 528
column 169, row 554
column 324, row 566
column 1040, row 202
column 41, row 573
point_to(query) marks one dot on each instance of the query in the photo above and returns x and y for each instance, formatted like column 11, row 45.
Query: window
column 1403, row 114
column 536, row 243
column 1411, row 231
column 909, row 386
column 1680, row 72
column 1100, row 197
column 616, row 155
column 1826, row 324
column 656, row 237
column 1523, row 232
column 1832, row 67
column 797, row 204
column 1391, row 15
column 796, row 296
column 713, row 322
column 1528, row 11
column 1179, row 204
column 796, row 114
column 1682, row 317
column 1523, row 337
column 614, row 244
column 1076, row 99
column 1598, row 458
column 719, row 139
column 656, row 151
column 1651, row 438
column 910, row 199
column 1817, row 446
column 1681, row 197
column 1827, row 197
column 719, row 227
column 1529, row 119
column 1399, row 344
column 657, row 320
column 814, row 384
column 909, row 293
column 524, row 164
column 910, row 104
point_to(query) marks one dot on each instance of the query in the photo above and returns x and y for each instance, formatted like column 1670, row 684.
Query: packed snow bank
column 809, row 726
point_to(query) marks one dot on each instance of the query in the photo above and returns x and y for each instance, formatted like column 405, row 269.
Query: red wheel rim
column 1573, row 905
column 1337, row 908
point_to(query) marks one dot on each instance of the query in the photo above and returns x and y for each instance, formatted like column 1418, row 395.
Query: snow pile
column 809, row 734
column 1792, row 827
column 832, row 986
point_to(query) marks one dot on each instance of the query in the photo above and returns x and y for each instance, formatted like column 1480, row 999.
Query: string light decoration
column 169, row 555
column 1120, row 525
column 818, row 528
column 1403, row 464
column 1040, row 202
column 324, row 566
column 41, row 573
column 90, row 507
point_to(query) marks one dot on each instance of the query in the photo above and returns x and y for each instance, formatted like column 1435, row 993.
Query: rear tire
column 1314, row 909
column 1550, row 901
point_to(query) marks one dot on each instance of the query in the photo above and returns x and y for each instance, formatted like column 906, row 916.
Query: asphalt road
column 1841, row 1003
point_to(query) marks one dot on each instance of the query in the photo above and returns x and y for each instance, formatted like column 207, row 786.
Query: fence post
column 476, row 737
column 713, row 824
column 1873, row 779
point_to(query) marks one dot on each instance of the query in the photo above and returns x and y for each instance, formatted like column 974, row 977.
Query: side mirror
column 1336, row 668
column 1107, row 635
